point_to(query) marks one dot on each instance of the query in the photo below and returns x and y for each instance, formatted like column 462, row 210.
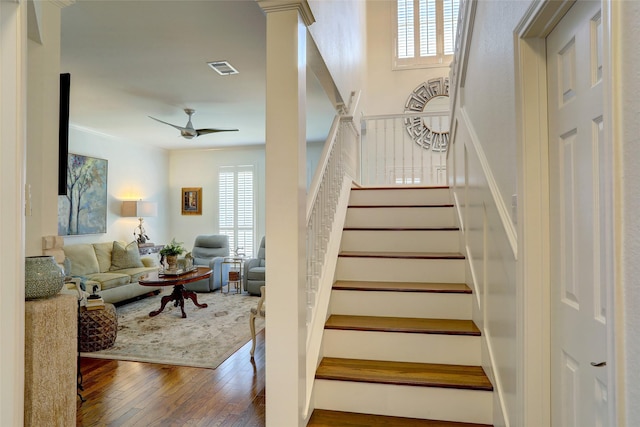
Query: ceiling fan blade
column 180, row 128
column 206, row 131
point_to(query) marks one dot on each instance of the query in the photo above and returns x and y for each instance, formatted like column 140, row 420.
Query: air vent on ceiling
column 222, row 67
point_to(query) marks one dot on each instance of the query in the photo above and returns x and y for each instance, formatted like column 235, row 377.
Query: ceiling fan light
column 222, row 67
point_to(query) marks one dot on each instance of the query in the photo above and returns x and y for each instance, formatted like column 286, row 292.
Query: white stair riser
column 433, row 196
column 435, row 403
column 402, row 347
column 401, row 304
column 400, row 241
column 401, row 270
column 400, row 217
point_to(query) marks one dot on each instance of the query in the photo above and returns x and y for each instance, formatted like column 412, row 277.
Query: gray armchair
column 253, row 277
column 210, row 251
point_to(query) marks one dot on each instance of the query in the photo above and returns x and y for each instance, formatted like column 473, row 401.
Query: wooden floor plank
column 347, row 285
column 404, row 373
column 324, row 418
column 131, row 394
column 403, row 324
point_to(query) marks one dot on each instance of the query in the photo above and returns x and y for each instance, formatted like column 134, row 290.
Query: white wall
column 627, row 90
column 489, row 95
column 199, row 168
column 42, row 133
column 482, row 166
column 483, row 150
column 134, row 172
column 340, row 34
column 388, row 89
column 491, row 270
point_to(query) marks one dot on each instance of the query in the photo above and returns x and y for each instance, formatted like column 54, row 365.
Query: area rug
column 205, row 339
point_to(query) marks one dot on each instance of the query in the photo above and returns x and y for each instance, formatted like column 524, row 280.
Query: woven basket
column 98, row 328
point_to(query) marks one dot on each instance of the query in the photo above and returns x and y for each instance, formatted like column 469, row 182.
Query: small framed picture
column 192, row 201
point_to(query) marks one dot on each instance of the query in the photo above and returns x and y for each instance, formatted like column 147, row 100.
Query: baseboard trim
column 497, row 383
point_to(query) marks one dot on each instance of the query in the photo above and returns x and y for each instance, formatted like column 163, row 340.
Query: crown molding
column 302, row 6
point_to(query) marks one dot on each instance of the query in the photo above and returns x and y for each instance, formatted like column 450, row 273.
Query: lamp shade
column 138, row 208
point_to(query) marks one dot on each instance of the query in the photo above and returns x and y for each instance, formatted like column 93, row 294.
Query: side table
column 97, row 328
column 235, row 274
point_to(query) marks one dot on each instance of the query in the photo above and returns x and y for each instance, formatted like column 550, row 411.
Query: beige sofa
column 115, row 267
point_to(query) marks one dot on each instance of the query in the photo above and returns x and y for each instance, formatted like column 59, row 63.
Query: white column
column 285, row 211
column 13, row 39
column 43, row 79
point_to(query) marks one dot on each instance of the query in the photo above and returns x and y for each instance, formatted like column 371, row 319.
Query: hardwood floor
column 120, row 393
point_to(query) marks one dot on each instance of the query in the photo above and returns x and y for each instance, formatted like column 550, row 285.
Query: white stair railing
column 327, row 201
column 337, row 164
column 405, row 149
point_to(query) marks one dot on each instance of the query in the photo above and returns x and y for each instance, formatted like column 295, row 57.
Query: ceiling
column 132, row 59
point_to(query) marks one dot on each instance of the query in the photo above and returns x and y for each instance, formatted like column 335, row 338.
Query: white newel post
column 286, row 210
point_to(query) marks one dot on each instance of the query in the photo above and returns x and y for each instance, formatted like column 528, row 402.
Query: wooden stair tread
column 354, row 285
column 401, row 229
column 404, row 373
column 399, row 187
column 433, row 205
column 325, row 418
column 401, row 255
column 402, row 324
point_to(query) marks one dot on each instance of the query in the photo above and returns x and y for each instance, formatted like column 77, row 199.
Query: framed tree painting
column 192, row 201
column 83, row 210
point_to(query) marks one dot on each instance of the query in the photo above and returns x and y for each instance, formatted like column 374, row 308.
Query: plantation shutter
column 450, row 15
column 428, row 40
column 406, row 34
column 236, row 207
column 426, row 31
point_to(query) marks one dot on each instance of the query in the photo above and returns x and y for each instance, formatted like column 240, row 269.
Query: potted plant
column 171, row 251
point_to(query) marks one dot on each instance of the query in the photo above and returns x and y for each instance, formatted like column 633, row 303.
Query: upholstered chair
column 253, row 276
column 210, row 250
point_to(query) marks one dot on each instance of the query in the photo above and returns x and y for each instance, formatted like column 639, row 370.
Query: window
column 237, row 207
column 426, row 32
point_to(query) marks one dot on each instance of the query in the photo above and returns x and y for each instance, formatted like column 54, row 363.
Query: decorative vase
column 172, row 262
column 43, row 277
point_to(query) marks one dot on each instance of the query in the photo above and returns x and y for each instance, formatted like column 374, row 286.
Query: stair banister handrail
column 327, row 199
column 437, row 113
column 314, row 188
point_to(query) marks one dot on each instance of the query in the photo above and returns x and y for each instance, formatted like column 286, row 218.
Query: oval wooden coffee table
column 180, row 293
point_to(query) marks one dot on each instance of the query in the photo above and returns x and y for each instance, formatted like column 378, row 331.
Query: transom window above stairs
column 426, row 33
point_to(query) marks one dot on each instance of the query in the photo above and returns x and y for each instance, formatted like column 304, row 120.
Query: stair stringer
column 319, row 316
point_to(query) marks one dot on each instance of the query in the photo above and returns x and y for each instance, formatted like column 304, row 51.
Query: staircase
column 400, row 348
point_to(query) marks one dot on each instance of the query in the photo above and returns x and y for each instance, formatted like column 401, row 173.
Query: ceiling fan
column 189, row 131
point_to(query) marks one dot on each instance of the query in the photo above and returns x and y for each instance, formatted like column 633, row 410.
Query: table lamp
column 133, row 208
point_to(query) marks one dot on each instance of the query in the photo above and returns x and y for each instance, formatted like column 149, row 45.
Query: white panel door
column 580, row 223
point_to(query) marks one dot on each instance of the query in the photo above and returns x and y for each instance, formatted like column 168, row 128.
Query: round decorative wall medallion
column 429, row 132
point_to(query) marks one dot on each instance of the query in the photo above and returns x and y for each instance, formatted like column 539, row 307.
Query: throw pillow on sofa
column 125, row 256
column 83, row 259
